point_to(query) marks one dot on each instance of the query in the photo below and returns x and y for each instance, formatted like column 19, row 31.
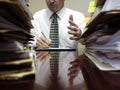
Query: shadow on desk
column 17, row 85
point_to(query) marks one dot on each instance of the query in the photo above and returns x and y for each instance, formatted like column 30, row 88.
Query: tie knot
column 54, row 15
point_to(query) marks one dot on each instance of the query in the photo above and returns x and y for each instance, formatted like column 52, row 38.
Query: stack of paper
column 102, row 39
column 111, row 5
column 101, row 21
column 15, row 25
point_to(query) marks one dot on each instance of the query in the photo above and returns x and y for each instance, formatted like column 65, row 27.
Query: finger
column 72, row 78
column 43, row 56
column 72, row 69
column 71, row 17
column 72, row 23
column 73, row 28
column 73, row 66
column 74, row 38
column 72, row 75
column 45, row 40
column 48, row 56
column 39, row 54
column 76, row 61
column 75, row 35
column 74, row 31
column 41, row 43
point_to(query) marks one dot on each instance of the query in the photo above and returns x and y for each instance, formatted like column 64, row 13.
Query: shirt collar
column 59, row 13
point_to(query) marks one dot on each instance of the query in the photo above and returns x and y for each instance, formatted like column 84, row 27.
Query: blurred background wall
column 79, row 5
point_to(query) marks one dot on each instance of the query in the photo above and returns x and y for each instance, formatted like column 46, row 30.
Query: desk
column 74, row 81
column 69, row 75
column 25, row 84
column 97, row 79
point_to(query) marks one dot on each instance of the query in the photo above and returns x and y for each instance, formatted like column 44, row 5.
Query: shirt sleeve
column 35, row 31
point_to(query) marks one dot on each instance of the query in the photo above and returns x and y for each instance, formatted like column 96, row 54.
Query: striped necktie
column 54, row 36
column 54, row 64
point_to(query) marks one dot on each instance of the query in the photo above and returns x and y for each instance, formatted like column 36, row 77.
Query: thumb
column 71, row 17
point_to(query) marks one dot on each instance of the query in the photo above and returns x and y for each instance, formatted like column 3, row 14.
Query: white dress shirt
column 42, row 21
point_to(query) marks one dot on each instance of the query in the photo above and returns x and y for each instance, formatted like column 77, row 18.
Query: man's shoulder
column 40, row 12
column 72, row 11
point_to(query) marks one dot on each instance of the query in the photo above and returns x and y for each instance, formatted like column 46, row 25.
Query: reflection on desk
column 69, row 73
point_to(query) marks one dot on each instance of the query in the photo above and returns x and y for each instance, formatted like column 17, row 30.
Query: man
column 71, row 25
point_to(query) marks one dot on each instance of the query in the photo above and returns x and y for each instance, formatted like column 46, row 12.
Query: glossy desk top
column 69, row 73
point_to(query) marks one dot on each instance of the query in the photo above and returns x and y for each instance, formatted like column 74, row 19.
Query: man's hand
column 74, row 70
column 44, row 55
column 43, row 42
column 74, row 29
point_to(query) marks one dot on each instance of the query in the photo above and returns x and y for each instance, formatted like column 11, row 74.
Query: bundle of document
column 15, row 25
column 102, row 38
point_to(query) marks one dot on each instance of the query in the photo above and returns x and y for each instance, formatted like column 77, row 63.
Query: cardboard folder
column 7, row 17
column 17, row 10
column 12, row 55
column 16, row 35
column 102, row 19
column 4, row 23
column 99, row 77
column 17, row 74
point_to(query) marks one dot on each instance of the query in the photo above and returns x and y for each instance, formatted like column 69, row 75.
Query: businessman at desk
column 69, row 25
column 56, row 27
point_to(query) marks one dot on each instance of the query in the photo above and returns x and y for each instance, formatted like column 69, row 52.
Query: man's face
column 55, row 5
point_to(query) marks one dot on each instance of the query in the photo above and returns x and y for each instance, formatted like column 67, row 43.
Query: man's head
column 55, row 5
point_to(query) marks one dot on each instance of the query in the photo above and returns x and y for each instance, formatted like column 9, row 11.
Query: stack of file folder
column 15, row 25
column 100, row 62
column 102, row 39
